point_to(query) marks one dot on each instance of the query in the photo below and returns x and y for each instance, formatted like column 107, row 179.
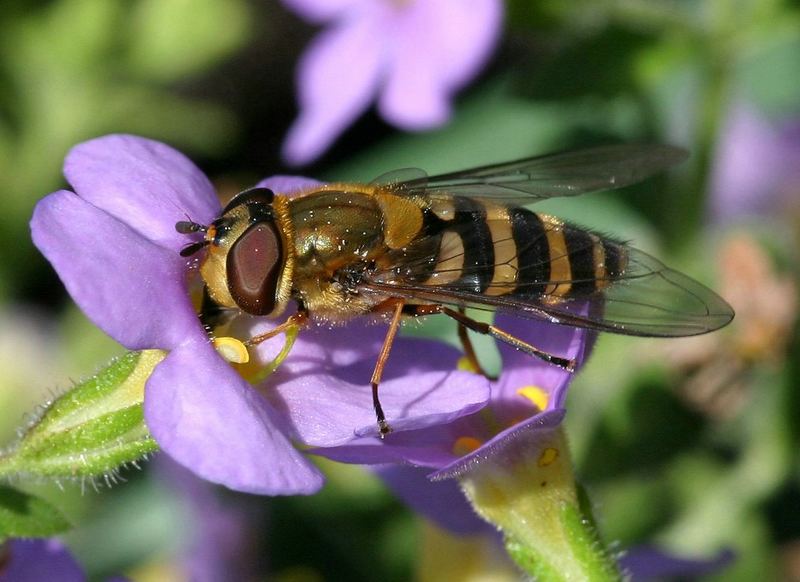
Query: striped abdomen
column 493, row 249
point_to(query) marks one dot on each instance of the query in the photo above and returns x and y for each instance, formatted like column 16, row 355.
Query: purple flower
column 527, row 399
column 221, row 540
column 36, row 560
column 412, row 54
column 114, row 245
column 649, row 563
column 757, row 165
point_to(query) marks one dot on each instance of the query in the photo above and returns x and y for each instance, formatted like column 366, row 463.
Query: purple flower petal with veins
column 114, row 245
column 413, row 55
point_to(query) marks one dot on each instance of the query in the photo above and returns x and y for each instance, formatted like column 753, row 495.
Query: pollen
column 536, row 395
column 466, row 365
column 232, row 350
column 465, row 445
column 548, row 457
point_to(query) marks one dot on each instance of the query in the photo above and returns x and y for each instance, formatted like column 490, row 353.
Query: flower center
column 535, row 395
column 465, row 445
column 466, row 365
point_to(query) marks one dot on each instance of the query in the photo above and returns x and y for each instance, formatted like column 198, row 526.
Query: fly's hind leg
column 469, row 350
column 505, row 337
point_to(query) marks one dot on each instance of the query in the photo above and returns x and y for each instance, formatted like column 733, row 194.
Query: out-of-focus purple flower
column 36, row 560
column 757, row 165
column 221, row 540
column 527, row 402
column 441, row 501
column 644, row 563
column 412, row 54
column 114, row 245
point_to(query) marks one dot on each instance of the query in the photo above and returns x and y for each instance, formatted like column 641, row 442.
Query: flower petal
column 521, row 370
column 440, row 45
column 421, row 448
column 287, row 185
column 130, row 287
column 208, row 419
column 337, row 79
column 469, row 31
column 144, row 183
column 650, row 563
column 540, row 424
column 317, row 11
column 330, row 402
column 43, row 559
column 756, row 166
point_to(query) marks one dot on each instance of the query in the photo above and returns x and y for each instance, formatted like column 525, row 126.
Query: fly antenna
column 192, row 248
column 189, row 227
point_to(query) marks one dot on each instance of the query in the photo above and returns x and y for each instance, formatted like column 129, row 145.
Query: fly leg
column 396, row 305
column 505, row 337
column 298, row 320
column 469, row 350
column 291, row 327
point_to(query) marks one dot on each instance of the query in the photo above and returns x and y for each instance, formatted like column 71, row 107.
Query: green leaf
column 92, row 429
column 604, row 65
column 177, row 38
column 769, row 77
column 23, row 515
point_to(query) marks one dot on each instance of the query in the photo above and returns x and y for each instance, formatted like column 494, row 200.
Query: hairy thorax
column 338, row 236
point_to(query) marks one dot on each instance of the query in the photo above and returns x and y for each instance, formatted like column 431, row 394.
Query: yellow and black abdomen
column 492, row 249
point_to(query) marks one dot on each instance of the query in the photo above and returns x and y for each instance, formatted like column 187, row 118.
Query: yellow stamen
column 466, row 365
column 465, row 445
column 548, row 456
column 232, row 350
column 536, row 395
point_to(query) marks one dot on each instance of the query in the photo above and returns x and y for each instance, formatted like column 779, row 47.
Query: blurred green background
column 689, row 444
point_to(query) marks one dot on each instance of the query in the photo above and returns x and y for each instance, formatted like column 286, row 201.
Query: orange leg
column 467, row 323
column 383, row 356
column 505, row 337
column 299, row 320
column 469, row 350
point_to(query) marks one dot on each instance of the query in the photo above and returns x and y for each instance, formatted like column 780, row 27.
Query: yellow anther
column 466, row 365
column 465, row 445
column 548, row 456
column 232, row 350
column 539, row 397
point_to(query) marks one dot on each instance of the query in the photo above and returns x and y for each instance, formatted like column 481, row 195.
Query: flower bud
column 92, row 429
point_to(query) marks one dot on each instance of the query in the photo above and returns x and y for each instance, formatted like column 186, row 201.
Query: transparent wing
column 548, row 176
column 396, row 178
column 644, row 298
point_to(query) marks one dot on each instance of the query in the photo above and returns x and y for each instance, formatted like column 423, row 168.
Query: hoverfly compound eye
column 254, row 268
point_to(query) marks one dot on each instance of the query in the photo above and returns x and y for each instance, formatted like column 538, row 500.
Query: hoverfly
column 406, row 246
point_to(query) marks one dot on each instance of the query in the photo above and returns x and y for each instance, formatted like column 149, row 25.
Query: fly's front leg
column 298, row 320
column 505, row 337
column 291, row 328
